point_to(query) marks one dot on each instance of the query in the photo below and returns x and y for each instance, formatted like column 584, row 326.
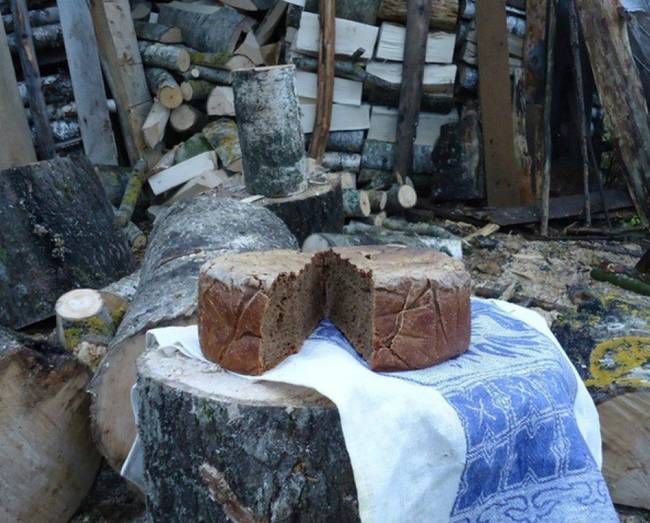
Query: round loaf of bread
column 400, row 308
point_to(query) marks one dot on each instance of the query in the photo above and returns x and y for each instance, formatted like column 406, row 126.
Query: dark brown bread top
column 419, row 302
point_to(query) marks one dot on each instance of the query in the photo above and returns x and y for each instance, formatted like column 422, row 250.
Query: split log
column 155, row 124
column 37, row 18
column 158, row 33
column 621, row 93
column 82, row 316
column 392, row 45
column 356, row 203
column 335, row 161
column 190, row 148
column 59, row 235
column 221, row 101
column 183, row 172
column 400, row 197
column 168, row 56
column 185, row 237
column 196, row 90
column 325, row 241
column 223, row 137
column 343, row 141
column 163, row 85
column 444, row 13
column 377, row 199
column 185, row 119
column 270, row 132
column 278, row 420
column 217, row 76
column 210, row 28
column 48, row 461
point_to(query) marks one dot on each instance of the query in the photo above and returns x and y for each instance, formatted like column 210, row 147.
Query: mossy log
column 184, row 237
column 270, row 132
column 196, row 90
column 48, row 461
column 311, row 480
column 58, row 236
column 131, row 194
column 223, row 137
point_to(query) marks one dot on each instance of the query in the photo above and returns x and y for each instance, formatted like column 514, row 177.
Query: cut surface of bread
column 400, row 308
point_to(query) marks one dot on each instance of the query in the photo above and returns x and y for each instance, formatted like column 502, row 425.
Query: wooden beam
column 18, row 150
column 87, row 83
column 326, row 64
column 122, row 64
column 43, row 137
column 619, row 86
column 415, row 48
column 501, row 173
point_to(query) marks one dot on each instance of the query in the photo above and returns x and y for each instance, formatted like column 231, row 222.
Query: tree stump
column 186, row 236
column 58, row 235
column 270, row 132
column 48, row 461
column 242, row 451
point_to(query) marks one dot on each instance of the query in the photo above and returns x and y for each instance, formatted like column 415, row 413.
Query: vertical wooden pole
column 581, row 119
column 122, row 64
column 326, row 66
column 87, row 82
column 548, row 102
column 19, row 149
column 43, row 140
column 502, row 177
column 418, row 15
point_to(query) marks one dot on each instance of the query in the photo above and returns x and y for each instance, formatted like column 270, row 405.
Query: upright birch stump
column 270, row 133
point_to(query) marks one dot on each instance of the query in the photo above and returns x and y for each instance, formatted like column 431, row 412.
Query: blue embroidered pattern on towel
column 514, row 393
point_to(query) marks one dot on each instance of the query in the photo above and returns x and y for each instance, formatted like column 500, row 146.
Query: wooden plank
column 415, row 48
column 440, row 45
column 350, row 36
column 122, row 64
column 621, row 93
column 183, row 172
column 344, row 117
column 87, row 83
column 44, row 141
column 501, row 174
column 436, row 78
column 19, row 150
column 346, row 91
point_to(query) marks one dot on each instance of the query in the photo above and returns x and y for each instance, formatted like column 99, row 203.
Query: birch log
column 163, row 85
column 270, row 132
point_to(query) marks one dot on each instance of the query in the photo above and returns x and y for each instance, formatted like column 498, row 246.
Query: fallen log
column 59, row 235
column 184, row 237
column 270, row 132
column 164, row 87
column 167, row 56
column 278, row 420
column 158, row 33
column 48, row 461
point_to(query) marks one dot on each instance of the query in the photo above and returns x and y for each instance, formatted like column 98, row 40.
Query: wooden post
column 19, row 150
column 326, row 66
column 417, row 31
column 87, row 82
column 501, row 173
column 581, row 119
column 122, row 63
column 548, row 101
column 44, row 141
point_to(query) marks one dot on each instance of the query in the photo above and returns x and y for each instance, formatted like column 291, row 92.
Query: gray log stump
column 246, row 452
column 58, row 235
column 270, row 132
column 186, row 236
column 47, row 458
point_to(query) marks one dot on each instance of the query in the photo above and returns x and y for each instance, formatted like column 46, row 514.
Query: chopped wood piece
column 210, row 28
column 392, row 38
column 250, row 49
column 155, row 124
column 221, row 102
column 265, row 30
column 350, row 36
column 444, row 13
column 185, row 237
column 82, row 316
column 168, row 56
column 223, row 137
column 163, row 85
column 190, row 148
column 182, row 172
column 45, row 423
column 198, row 185
column 348, row 180
column 186, row 119
column 272, row 141
column 158, row 33
column 356, row 203
column 206, row 59
column 196, row 90
column 400, row 197
column 344, row 117
column 435, row 79
column 141, row 10
column 59, row 235
column 345, row 91
column 217, row 76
